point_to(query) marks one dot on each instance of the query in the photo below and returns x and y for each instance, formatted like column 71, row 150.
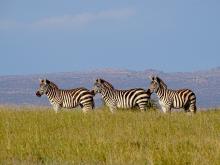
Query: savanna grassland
column 39, row 136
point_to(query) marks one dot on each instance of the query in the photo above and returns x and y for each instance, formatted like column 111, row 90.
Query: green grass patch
column 39, row 136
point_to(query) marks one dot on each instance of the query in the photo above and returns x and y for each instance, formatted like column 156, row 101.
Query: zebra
column 66, row 98
column 114, row 98
column 168, row 98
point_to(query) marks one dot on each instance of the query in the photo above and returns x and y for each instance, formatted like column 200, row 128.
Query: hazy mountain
column 20, row 90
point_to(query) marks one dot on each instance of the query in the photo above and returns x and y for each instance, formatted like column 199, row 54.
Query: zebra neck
column 160, row 92
column 107, row 94
column 54, row 96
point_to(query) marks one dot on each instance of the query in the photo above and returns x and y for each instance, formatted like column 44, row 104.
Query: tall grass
column 39, row 136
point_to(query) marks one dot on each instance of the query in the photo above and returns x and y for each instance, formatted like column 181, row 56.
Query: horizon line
column 110, row 69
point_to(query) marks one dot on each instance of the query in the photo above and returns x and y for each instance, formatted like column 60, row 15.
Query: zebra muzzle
column 38, row 94
column 93, row 92
column 149, row 92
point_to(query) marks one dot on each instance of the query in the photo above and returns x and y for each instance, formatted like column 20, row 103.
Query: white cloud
column 76, row 20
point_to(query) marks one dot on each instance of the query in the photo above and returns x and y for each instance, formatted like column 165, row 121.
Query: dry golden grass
column 39, row 136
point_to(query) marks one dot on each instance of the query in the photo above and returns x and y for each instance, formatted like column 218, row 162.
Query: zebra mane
column 161, row 82
column 52, row 84
column 105, row 83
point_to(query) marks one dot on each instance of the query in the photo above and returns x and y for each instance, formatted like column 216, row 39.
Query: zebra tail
column 148, row 92
column 92, row 92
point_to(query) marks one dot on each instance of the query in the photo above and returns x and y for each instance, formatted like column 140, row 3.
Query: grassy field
column 39, row 136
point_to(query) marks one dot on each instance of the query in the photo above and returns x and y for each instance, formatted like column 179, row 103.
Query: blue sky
column 47, row 36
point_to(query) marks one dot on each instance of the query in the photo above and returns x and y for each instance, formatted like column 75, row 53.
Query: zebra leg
column 112, row 108
column 56, row 108
column 192, row 104
column 142, row 107
column 166, row 109
column 87, row 108
column 186, row 108
column 87, row 105
column 191, row 108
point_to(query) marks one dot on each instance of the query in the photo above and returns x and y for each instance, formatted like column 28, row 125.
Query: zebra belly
column 178, row 104
column 162, row 104
column 123, row 106
column 68, row 105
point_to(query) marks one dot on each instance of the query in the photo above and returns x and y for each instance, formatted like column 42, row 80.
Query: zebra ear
column 151, row 78
column 101, row 80
column 47, row 81
column 41, row 80
column 158, row 79
column 93, row 79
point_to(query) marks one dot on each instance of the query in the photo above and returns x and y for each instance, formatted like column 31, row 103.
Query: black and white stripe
column 114, row 98
column 168, row 98
column 66, row 98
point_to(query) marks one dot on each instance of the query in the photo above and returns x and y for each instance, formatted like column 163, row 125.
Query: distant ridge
column 20, row 89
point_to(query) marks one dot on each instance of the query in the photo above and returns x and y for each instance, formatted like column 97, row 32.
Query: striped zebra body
column 121, row 98
column 168, row 98
column 66, row 98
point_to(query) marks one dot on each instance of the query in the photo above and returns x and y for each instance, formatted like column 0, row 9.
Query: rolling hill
column 20, row 89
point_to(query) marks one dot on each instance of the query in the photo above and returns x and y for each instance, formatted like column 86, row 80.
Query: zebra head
column 44, row 85
column 101, row 85
column 156, row 83
column 98, row 85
